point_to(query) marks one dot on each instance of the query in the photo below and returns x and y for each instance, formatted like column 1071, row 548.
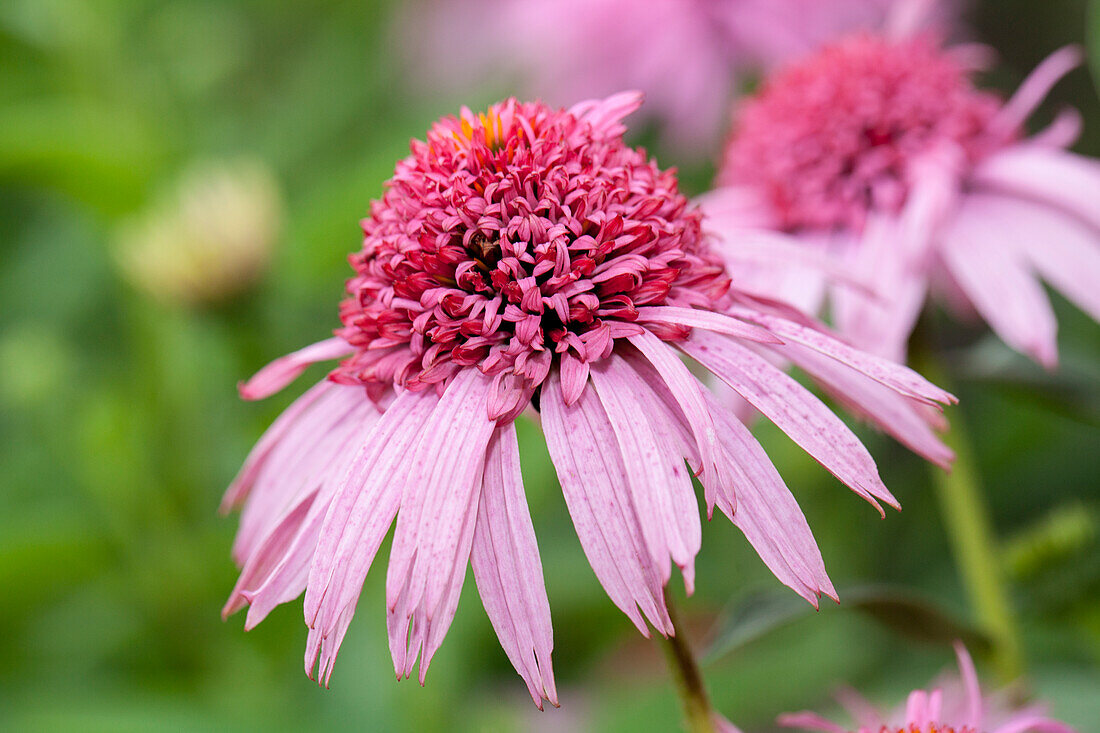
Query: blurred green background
column 131, row 130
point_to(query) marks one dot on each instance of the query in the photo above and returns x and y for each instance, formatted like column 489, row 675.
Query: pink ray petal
column 655, row 479
column 1034, row 723
column 768, row 514
column 1064, row 180
column 917, row 711
column 896, row 377
column 363, row 508
column 894, row 413
column 508, row 570
column 794, row 410
column 287, row 580
column 431, row 545
column 1035, row 88
column 998, row 281
column 286, row 369
column 238, row 490
column 1062, row 249
column 311, row 450
column 688, row 392
column 606, row 115
column 590, row 468
column 269, row 553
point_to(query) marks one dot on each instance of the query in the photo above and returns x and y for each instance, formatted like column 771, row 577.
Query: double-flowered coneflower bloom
column 527, row 258
column 956, row 706
column 879, row 152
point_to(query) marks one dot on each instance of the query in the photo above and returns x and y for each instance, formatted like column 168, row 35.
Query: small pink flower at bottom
column 880, row 153
column 955, row 707
column 527, row 258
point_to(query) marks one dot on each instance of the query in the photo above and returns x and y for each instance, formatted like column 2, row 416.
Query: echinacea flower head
column 527, row 258
column 881, row 152
column 687, row 56
column 954, row 706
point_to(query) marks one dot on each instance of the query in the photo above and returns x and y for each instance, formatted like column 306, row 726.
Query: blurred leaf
column 907, row 614
column 97, row 151
column 1069, row 392
column 1064, row 532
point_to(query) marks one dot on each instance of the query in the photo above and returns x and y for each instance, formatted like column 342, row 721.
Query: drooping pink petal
column 768, row 514
column 311, row 448
column 894, row 254
column 880, row 322
column 794, row 410
column 860, row 708
column 436, row 622
column 658, row 482
column 272, row 437
column 1062, row 132
column 670, row 423
column 1056, row 177
column 286, row 369
column 508, row 570
column 431, row 545
column 998, row 281
column 287, row 580
column 896, row 377
column 362, row 510
column 590, row 468
column 894, row 413
column 688, row 393
column 1062, row 249
column 270, row 551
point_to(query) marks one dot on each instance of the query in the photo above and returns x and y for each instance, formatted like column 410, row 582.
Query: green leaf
column 902, row 611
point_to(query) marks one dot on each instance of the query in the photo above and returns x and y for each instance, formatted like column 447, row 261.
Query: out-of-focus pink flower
column 528, row 258
column 880, row 155
column 956, row 706
column 687, row 56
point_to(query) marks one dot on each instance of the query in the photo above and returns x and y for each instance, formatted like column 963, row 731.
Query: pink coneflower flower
column 527, row 258
column 956, row 706
column 687, row 56
column 880, row 151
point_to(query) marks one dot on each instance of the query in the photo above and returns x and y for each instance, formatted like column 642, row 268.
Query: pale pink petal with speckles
column 795, row 410
column 284, row 370
column 999, row 281
column 508, row 570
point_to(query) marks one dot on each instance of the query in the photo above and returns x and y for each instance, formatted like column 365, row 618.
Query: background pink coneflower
column 880, row 153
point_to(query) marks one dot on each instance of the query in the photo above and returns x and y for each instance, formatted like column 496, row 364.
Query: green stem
column 689, row 680
column 970, row 532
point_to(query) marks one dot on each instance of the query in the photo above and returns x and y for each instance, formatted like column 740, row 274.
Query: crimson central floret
column 514, row 236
